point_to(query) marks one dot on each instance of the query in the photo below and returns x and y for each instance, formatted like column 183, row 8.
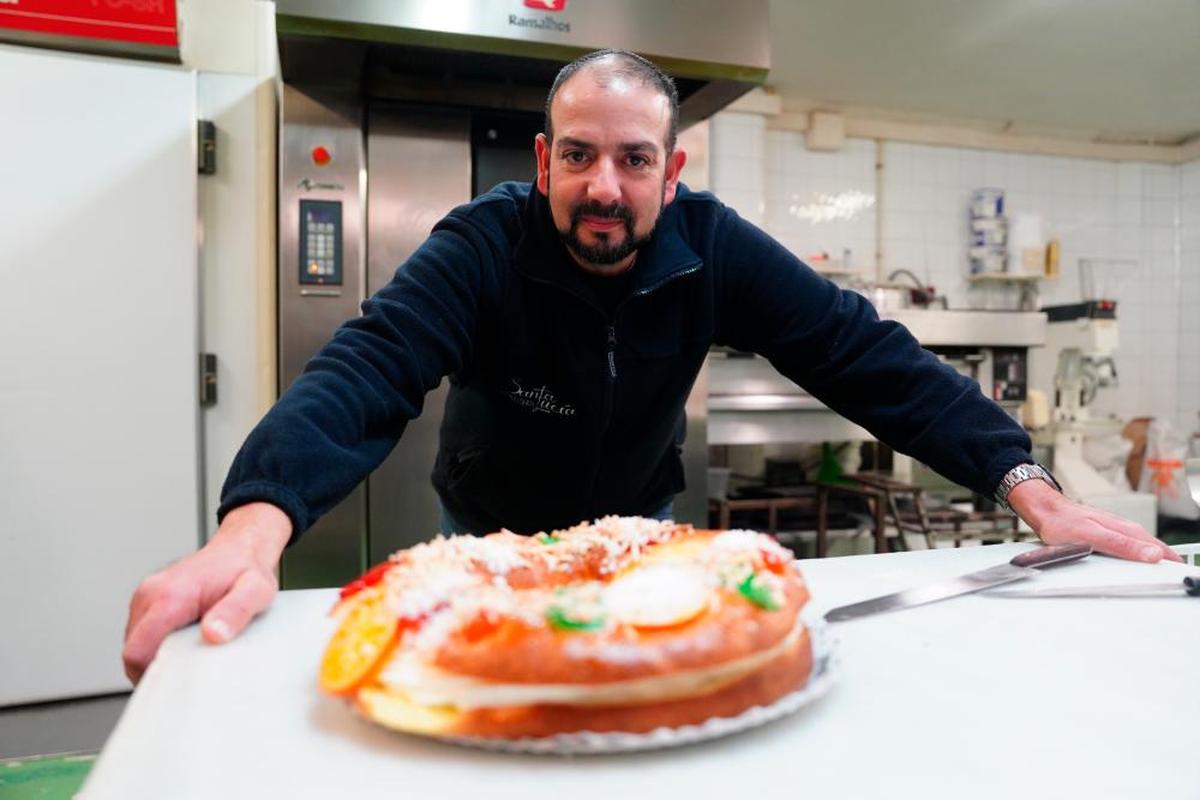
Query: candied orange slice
column 363, row 637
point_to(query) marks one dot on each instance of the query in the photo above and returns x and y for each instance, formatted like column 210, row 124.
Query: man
column 572, row 317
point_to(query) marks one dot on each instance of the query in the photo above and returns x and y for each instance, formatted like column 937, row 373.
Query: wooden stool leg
column 880, row 529
column 822, row 510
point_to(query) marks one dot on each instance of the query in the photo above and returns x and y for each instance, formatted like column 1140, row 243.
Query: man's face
column 607, row 173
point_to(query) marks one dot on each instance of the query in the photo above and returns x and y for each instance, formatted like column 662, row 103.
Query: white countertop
column 975, row 697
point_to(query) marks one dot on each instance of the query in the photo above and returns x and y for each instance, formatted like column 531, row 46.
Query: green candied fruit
column 545, row 538
column 561, row 619
column 753, row 590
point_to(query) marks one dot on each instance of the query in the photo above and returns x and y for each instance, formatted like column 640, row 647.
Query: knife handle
column 1051, row 555
column 1191, row 585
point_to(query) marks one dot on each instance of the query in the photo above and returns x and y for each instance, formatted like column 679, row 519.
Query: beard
column 605, row 251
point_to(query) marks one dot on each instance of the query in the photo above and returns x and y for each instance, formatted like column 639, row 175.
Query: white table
column 975, row 697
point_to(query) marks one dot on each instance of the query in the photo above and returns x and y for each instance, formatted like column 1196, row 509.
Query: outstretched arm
column 335, row 424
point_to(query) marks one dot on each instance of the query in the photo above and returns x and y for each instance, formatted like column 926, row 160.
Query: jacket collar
column 540, row 253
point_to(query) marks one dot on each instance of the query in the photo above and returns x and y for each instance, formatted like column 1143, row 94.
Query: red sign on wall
column 540, row 5
column 138, row 26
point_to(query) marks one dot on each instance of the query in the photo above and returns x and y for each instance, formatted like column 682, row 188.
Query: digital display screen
column 321, row 242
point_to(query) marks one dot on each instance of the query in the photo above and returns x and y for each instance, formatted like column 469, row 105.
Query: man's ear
column 675, row 164
column 541, row 149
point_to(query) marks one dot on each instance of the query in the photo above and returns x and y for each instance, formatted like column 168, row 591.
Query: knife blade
column 1189, row 586
column 1022, row 566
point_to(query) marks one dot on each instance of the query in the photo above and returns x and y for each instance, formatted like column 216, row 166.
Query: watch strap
column 1018, row 475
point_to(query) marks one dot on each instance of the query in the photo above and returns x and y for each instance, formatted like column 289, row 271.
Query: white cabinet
column 98, row 350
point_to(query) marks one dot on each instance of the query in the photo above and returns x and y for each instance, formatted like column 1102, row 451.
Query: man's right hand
column 224, row 585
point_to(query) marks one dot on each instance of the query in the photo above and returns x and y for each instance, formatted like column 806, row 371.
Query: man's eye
column 638, row 161
column 574, row 157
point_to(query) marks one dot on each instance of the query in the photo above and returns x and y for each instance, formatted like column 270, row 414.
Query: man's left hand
column 1057, row 519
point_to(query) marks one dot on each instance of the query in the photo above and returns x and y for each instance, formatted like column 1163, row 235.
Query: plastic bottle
column 1053, row 251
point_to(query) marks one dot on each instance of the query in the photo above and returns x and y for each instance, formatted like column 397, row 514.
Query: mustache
column 593, row 208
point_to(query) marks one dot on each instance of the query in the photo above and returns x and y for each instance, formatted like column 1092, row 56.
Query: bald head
column 613, row 69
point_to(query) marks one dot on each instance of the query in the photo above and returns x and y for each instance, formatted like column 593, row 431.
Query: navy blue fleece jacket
column 558, row 412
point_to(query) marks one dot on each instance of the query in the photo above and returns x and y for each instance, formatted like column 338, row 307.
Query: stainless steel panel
column 717, row 32
column 749, row 402
column 692, row 504
column 765, row 402
column 420, row 168
column 747, row 375
column 974, row 328
column 775, row 427
column 331, row 552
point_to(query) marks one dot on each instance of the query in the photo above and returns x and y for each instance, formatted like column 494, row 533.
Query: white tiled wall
column 1138, row 222
column 741, row 139
column 821, row 203
column 1189, row 327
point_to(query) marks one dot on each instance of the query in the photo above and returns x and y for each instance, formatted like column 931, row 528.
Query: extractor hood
column 505, row 53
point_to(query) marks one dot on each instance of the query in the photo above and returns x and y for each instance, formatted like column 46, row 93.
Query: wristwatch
column 1019, row 474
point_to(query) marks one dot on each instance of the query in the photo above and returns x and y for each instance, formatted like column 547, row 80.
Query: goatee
column 604, row 251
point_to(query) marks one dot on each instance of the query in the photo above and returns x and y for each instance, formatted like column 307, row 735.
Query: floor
column 68, row 726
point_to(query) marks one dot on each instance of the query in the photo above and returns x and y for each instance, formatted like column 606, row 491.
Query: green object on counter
column 44, row 777
column 830, row 470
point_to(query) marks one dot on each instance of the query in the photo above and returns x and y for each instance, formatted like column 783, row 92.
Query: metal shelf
column 1004, row 277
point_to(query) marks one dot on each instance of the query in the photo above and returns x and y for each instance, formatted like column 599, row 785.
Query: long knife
column 1188, row 587
column 1022, row 566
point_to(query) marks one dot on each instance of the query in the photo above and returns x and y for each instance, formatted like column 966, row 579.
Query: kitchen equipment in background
column 718, row 482
column 1026, row 245
column 1022, row 566
column 987, row 203
column 920, row 295
column 988, row 248
column 896, row 295
column 1078, row 361
column 391, row 115
column 991, row 347
column 1101, row 278
column 749, row 402
column 886, row 297
column 1035, row 412
column 1053, row 256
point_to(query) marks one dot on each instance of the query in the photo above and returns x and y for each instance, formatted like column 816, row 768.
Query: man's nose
column 605, row 185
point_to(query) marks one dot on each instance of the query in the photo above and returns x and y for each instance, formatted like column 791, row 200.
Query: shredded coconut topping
column 441, row 586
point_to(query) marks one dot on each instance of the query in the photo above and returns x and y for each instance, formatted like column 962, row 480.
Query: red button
column 321, row 156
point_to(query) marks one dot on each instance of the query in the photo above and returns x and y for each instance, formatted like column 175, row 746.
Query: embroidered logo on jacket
column 539, row 399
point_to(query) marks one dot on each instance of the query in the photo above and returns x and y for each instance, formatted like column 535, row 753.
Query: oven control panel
column 321, row 242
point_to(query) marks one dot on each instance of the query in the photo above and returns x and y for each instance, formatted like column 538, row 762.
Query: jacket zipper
column 612, row 342
column 612, row 349
column 611, row 383
column 611, row 377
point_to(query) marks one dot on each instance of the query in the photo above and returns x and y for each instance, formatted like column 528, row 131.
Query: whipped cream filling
column 407, row 673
